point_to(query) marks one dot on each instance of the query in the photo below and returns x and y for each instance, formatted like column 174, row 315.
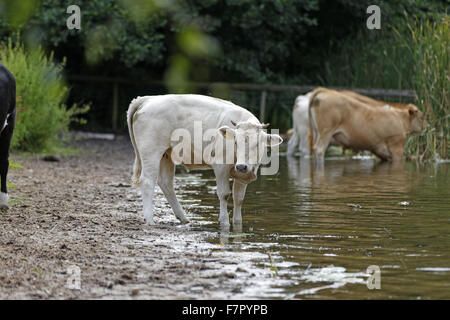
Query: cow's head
column 250, row 141
column 417, row 119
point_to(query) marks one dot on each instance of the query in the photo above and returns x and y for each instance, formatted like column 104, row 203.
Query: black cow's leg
column 5, row 142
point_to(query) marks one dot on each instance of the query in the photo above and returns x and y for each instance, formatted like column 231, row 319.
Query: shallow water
column 315, row 232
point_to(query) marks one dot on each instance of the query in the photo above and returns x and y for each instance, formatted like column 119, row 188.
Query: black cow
column 7, row 121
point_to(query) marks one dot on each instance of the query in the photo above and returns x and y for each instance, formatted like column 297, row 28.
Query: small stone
column 236, row 290
column 229, row 275
column 354, row 206
column 120, row 185
column 127, row 276
column 134, row 292
column 51, row 158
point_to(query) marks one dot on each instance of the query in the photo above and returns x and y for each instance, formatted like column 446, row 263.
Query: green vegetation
column 13, row 166
column 40, row 92
column 429, row 45
column 373, row 59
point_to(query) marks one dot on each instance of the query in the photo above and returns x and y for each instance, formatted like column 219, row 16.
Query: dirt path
column 82, row 212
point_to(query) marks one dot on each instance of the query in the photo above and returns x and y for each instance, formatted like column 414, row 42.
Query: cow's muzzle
column 242, row 168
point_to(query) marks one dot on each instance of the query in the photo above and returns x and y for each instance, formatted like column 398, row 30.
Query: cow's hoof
column 4, row 201
column 4, row 208
column 225, row 226
column 185, row 221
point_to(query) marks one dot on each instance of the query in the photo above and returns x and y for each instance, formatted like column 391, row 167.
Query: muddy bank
column 81, row 211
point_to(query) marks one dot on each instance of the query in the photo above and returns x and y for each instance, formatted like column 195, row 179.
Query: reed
column 429, row 45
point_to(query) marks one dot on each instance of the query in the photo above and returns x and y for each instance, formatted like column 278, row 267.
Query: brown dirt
column 82, row 211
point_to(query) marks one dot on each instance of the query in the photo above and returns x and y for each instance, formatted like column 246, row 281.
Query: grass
column 371, row 60
column 13, row 166
column 430, row 47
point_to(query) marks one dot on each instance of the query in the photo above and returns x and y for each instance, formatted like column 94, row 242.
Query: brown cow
column 360, row 126
column 300, row 118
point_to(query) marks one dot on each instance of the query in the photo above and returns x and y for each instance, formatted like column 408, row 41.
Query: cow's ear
column 412, row 110
column 226, row 132
column 273, row 140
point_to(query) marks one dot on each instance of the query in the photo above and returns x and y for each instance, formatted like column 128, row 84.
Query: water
column 317, row 231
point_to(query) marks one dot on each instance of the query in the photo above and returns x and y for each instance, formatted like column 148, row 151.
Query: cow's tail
column 137, row 168
column 313, row 131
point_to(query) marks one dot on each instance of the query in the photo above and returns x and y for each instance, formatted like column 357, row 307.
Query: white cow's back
column 159, row 119
column 300, row 125
column 181, row 110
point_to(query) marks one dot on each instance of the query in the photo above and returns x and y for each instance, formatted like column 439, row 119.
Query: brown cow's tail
column 135, row 105
column 313, row 132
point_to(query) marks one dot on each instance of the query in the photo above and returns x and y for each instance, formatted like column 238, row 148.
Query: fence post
column 262, row 106
column 115, row 106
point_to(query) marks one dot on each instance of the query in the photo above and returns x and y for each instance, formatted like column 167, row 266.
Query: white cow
column 300, row 117
column 153, row 122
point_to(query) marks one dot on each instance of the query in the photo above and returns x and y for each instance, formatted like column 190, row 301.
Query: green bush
column 40, row 93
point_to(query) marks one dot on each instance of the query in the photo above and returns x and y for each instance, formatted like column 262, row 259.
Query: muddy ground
column 81, row 211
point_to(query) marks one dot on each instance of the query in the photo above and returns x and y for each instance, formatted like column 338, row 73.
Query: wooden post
column 262, row 106
column 115, row 106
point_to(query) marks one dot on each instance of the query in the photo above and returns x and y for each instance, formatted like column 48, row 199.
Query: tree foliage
column 259, row 41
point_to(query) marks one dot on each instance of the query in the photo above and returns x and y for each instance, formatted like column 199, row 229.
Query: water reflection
column 322, row 228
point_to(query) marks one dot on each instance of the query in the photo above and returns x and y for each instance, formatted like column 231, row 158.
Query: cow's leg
column 165, row 182
column 304, row 147
column 223, row 192
column 150, row 173
column 396, row 152
column 320, row 147
column 292, row 144
column 382, row 152
column 397, row 156
column 238, row 198
column 5, row 142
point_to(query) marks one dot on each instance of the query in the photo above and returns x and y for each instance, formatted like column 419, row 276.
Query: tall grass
column 429, row 44
column 373, row 59
column 40, row 94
